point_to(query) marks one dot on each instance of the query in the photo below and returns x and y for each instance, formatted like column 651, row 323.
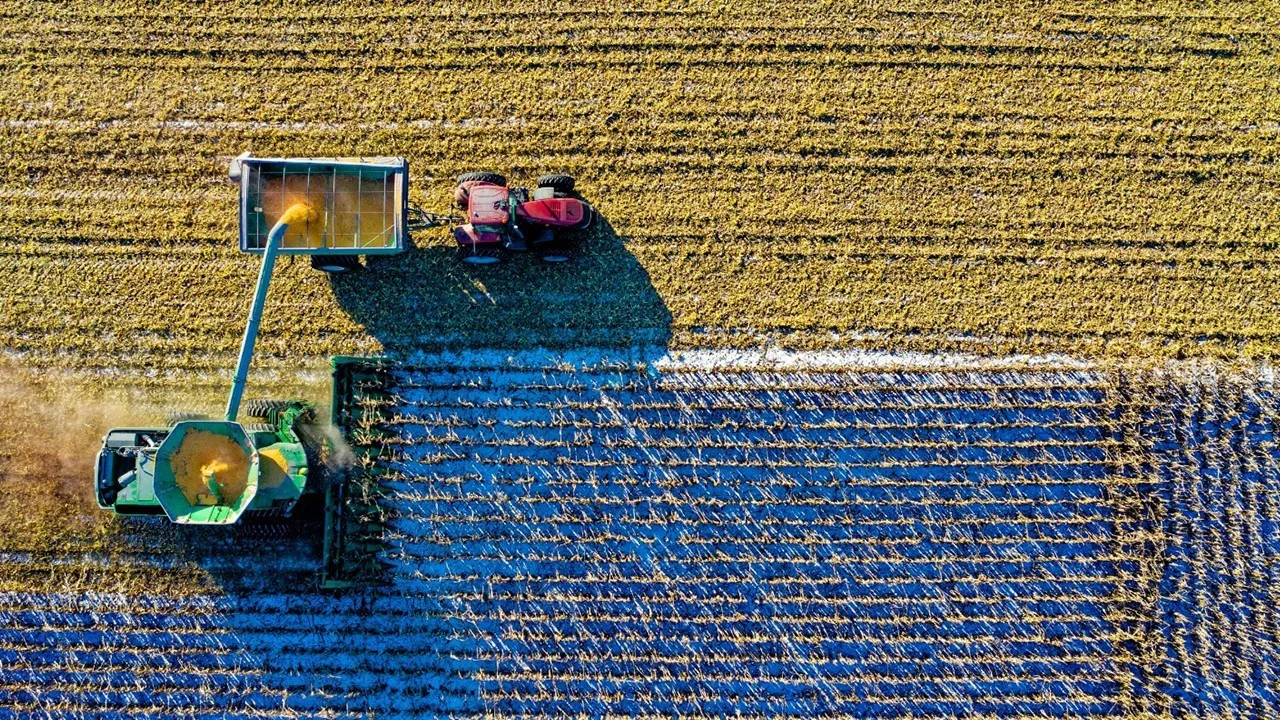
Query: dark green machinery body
column 283, row 447
column 353, row 514
column 135, row 474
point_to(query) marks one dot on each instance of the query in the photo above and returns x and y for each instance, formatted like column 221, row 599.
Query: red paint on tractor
column 501, row 219
column 487, row 204
column 554, row 212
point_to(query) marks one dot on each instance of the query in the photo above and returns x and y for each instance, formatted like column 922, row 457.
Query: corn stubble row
column 1108, row 571
column 1090, row 542
column 1083, row 179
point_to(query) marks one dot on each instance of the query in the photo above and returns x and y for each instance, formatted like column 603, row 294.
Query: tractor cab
column 501, row 220
column 488, row 204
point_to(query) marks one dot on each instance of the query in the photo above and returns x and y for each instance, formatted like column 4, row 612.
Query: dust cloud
column 50, row 433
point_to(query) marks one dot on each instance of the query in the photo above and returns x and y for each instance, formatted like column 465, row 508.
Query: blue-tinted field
column 615, row 540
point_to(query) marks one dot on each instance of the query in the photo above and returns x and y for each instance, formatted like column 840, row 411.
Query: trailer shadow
column 424, row 300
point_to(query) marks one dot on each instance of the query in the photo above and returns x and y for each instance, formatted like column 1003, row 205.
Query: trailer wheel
column 488, row 177
column 173, row 417
column 252, row 428
column 335, row 264
column 481, row 253
column 557, row 181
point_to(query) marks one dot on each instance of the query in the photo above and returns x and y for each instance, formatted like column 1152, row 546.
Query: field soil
column 920, row 364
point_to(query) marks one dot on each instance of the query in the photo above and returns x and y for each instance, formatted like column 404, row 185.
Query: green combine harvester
column 202, row 471
column 257, row 469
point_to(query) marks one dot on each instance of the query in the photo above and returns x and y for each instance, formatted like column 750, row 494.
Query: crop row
column 1044, row 178
column 962, row 188
column 1015, row 564
column 599, row 373
column 358, row 316
column 533, row 587
column 533, row 527
column 1217, row 470
column 693, row 31
column 826, row 147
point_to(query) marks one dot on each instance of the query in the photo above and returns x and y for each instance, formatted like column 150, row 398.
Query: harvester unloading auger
column 217, row 472
column 203, row 471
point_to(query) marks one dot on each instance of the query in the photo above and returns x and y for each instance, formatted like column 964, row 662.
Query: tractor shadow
column 425, row 300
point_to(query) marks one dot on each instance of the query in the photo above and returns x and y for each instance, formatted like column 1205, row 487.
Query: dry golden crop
column 1082, row 177
column 1085, row 177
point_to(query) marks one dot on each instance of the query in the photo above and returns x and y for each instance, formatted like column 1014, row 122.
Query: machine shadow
column 425, row 300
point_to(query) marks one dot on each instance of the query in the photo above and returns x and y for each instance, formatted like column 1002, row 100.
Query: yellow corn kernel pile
column 210, row 469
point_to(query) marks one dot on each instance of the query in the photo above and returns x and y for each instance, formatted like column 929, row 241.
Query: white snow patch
column 663, row 360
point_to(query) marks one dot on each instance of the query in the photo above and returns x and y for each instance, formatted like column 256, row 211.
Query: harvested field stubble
column 578, row 536
column 1074, row 176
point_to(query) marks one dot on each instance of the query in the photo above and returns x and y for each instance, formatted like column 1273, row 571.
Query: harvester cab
column 207, row 472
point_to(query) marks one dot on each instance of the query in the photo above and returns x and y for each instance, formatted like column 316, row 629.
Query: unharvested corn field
column 588, row 534
column 919, row 367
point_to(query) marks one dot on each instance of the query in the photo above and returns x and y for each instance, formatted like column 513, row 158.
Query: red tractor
column 500, row 219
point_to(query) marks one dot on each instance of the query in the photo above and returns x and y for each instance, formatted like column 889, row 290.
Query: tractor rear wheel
column 557, row 181
column 481, row 176
column 264, row 409
column 335, row 264
column 551, row 247
column 481, row 253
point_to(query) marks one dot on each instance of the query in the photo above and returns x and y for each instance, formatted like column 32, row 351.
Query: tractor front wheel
column 481, row 253
column 335, row 264
column 492, row 178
